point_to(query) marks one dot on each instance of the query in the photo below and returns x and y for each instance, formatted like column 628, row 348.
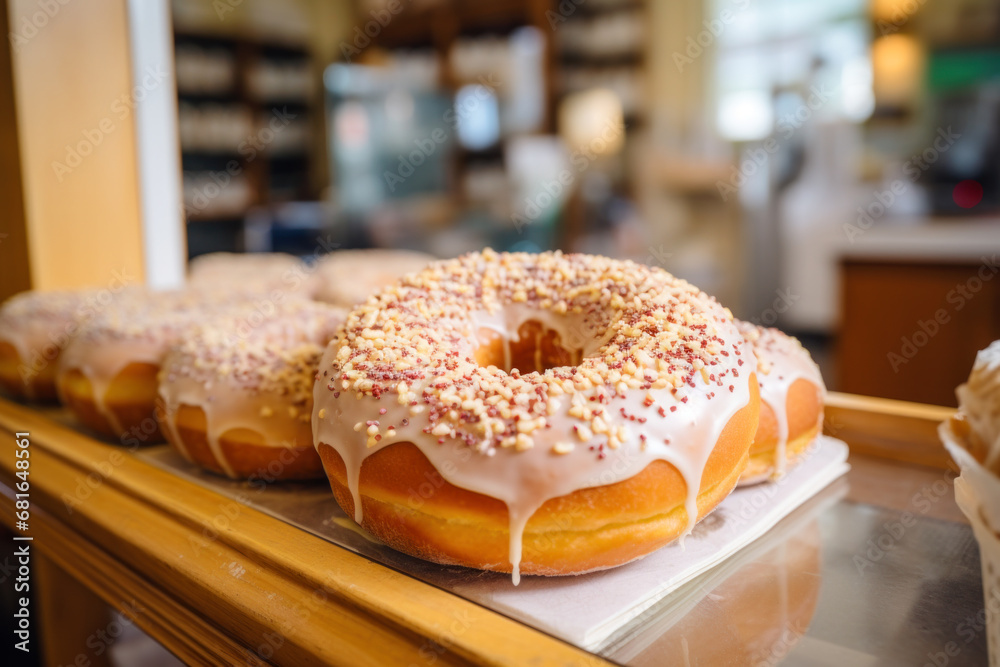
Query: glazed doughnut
column 347, row 277
column 436, row 442
column 792, row 394
column 261, row 271
column 107, row 373
column 34, row 329
column 237, row 399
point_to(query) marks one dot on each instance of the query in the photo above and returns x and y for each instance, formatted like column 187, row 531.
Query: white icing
column 227, row 406
column 261, row 271
column 139, row 327
column 38, row 325
column 525, row 480
column 348, row 277
column 259, row 378
column 101, row 364
column 26, row 340
column 781, row 362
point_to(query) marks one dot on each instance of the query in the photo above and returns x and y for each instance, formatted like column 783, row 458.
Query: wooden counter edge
column 889, row 429
column 186, row 553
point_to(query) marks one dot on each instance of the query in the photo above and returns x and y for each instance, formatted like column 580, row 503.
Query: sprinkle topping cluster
column 56, row 306
column 274, row 352
column 261, row 271
column 164, row 317
column 412, row 347
column 347, row 277
column 770, row 344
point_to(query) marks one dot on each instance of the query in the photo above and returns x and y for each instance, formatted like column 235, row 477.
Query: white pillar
column 157, row 144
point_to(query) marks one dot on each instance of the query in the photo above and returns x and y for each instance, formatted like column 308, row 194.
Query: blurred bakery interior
column 828, row 167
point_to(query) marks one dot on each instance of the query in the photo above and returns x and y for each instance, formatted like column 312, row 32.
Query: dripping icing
column 518, row 478
column 781, row 362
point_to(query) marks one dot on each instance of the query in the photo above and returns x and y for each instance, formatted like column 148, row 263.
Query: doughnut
column 792, row 394
column 34, row 329
column 261, row 271
column 633, row 422
column 235, row 396
column 107, row 373
column 347, row 277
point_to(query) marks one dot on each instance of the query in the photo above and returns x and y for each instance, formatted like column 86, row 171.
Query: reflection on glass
column 751, row 610
column 835, row 583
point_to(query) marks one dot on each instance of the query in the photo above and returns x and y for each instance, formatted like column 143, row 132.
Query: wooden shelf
column 437, row 26
column 141, row 534
column 220, row 97
column 218, row 582
column 624, row 59
column 894, row 430
column 296, row 103
column 276, row 45
column 231, row 218
column 589, row 10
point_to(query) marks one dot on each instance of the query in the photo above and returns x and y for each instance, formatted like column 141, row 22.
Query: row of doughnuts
column 792, row 394
column 222, row 369
column 236, row 396
column 575, row 412
column 240, row 404
column 342, row 278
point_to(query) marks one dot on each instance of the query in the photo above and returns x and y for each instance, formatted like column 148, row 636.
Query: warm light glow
column 592, row 121
column 898, row 64
column 895, row 11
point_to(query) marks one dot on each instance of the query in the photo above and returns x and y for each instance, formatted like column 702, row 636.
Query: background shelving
column 245, row 108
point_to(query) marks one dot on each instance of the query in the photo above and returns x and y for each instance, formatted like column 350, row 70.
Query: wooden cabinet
column 910, row 329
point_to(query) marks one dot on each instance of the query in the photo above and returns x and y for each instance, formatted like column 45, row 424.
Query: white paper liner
column 589, row 609
column 977, row 492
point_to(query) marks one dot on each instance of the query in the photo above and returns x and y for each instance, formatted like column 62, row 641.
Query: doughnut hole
column 536, row 349
column 408, row 505
column 246, row 450
column 804, row 410
column 130, row 397
column 41, row 386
